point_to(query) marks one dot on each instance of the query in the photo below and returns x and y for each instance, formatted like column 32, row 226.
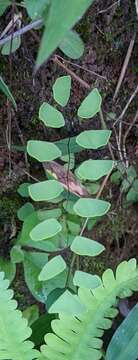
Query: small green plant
column 69, row 208
column 128, row 181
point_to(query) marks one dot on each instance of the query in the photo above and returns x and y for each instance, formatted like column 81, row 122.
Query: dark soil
column 107, row 36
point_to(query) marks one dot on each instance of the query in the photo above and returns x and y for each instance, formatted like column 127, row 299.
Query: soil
column 107, row 35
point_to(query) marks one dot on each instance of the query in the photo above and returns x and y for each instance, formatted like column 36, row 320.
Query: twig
column 22, row 31
column 124, row 67
column 126, row 106
column 81, row 67
column 70, row 72
column 10, row 25
column 109, row 7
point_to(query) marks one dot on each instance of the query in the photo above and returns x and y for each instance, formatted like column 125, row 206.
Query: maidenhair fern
column 78, row 335
column 14, row 330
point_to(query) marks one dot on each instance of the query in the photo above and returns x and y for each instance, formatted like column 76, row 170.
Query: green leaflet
column 43, row 150
column 45, row 190
column 46, row 229
column 90, row 105
column 4, row 88
column 91, row 207
column 124, row 343
column 54, row 267
column 50, row 116
column 61, row 90
column 79, row 338
column 94, row 169
column 86, row 247
column 93, row 139
column 62, row 17
column 72, row 45
column 15, row 346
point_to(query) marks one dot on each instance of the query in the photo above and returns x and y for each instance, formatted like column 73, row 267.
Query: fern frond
column 77, row 336
column 13, row 328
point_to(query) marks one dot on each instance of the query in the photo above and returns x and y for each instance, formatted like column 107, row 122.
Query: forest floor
column 107, row 32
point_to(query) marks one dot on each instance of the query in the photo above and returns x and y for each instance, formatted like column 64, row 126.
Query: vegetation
column 62, row 208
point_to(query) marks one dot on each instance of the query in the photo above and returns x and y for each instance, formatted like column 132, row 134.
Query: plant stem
column 74, row 256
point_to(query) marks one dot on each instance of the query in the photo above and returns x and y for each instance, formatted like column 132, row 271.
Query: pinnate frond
column 78, row 336
column 14, row 330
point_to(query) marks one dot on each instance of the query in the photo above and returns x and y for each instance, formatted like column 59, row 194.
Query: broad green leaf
column 8, row 48
column 50, row 116
column 43, row 150
column 45, row 190
column 31, row 313
column 132, row 195
column 61, row 90
column 17, row 254
column 93, row 139
column 54, row 267
column 8, row 268
column 23, row 189
column 44, row 214
column 46, row 229
column 91, row 207
column 86, row 280
column 87, row 247
column 3, row 6
column 5, row 89
column 68, row 304
column 72, row 45
column 33, row 263
column 124, row 343
column 35, row 8
column 90, row 105
column 24, row 239
column 24, row 211
column 62, row 17
column 94, row 169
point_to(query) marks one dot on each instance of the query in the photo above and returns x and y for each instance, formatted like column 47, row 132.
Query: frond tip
column 77, row 336
column 14, row 330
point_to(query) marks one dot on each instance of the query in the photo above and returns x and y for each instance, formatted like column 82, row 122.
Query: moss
column 9, row 206
column 93, row 265
column 84, row 28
